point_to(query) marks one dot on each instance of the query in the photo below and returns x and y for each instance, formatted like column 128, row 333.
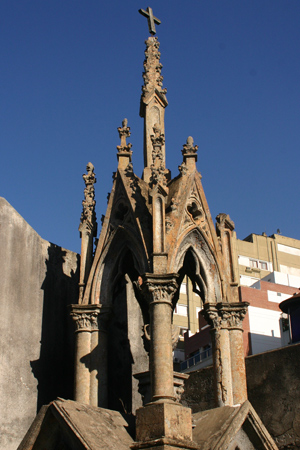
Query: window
column 181, row 310
column 254, row 263
column 182, row 330
column 183, row 288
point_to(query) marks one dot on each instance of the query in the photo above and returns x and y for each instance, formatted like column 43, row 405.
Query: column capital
column 225, row 315
column 87, row 317
column 158, row 288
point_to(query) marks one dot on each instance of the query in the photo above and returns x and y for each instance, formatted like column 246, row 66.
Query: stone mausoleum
column 156, row 231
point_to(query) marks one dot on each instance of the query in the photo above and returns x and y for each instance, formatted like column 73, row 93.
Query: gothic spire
column 153, row 99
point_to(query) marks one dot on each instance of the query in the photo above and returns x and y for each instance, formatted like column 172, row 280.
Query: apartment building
column 268, row 270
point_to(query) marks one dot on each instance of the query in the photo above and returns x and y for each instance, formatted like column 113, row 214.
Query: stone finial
column 189, row 148
column 152, row 66
column 124, row 149
column 124, row 133
column 88, row 216
column 189, row 153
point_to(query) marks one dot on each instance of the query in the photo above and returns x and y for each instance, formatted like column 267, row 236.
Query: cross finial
column 151, row 19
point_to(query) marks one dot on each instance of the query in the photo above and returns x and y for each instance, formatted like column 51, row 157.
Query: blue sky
column 72, row 70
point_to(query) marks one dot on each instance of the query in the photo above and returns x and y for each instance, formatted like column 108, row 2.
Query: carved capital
column 158, row 288
column 225, row 315
column 89, row 317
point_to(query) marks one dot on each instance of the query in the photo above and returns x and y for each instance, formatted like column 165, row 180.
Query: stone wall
column 38, row 281
column 273, row 380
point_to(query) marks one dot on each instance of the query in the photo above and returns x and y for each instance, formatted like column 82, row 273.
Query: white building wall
column 277, row 297
column 283, row 278
column 264, row 329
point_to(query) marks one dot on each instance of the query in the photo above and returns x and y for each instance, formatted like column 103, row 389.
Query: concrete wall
column 273, row 380
column 38, row 281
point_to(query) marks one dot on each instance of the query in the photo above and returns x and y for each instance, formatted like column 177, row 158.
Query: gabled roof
column 231, row 427
column 70, row 425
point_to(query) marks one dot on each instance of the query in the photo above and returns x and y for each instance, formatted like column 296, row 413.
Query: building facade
column 268, row 271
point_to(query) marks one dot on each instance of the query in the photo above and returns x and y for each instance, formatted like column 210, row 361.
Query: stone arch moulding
column 119, row 243
column 207, row 267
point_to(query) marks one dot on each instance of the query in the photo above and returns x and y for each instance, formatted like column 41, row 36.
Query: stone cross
column 151, row 19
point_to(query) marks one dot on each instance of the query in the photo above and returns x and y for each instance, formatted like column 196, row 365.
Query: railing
column 198, row 357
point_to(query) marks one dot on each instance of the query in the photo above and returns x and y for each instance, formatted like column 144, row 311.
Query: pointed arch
column 195, row 258
column 119, row 244
column 121, row 262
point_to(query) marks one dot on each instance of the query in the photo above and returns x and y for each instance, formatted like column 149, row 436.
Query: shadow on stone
column 54, row 369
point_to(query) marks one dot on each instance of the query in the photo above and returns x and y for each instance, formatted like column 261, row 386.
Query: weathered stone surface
column 72, row 426
column 273, row 380
column 38, row 281
column 231, row 428
column 157, row 420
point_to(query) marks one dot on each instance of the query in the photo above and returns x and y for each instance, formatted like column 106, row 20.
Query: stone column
column 162, row 418
column 238, row 368
column 228, row 354
column 90, row 354
column 159, row 290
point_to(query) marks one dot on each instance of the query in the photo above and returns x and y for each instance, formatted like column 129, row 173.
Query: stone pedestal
column 170, row 420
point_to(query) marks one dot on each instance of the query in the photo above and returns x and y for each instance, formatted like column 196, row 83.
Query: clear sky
column 71, row 71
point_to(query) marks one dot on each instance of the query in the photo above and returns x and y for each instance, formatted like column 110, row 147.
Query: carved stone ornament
column 152, row 66
column 86, row 322
column 225, row 315
column 183, row 169
column 88, row 317
column 174, row 204
column 189, row 148
column 194, row 209
column 169, row 225
column 223, row 221
column 158, row 288
column 124, row 132
column 158, row 170
column 88, row 216
column 158, row 140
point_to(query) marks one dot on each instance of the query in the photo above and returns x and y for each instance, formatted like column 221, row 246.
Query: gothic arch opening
column 195, row 272
column 126, row 353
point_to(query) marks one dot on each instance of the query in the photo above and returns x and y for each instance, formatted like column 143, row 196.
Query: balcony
column 197, row 361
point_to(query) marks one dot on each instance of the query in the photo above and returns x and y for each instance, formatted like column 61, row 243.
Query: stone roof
column 73, row 425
